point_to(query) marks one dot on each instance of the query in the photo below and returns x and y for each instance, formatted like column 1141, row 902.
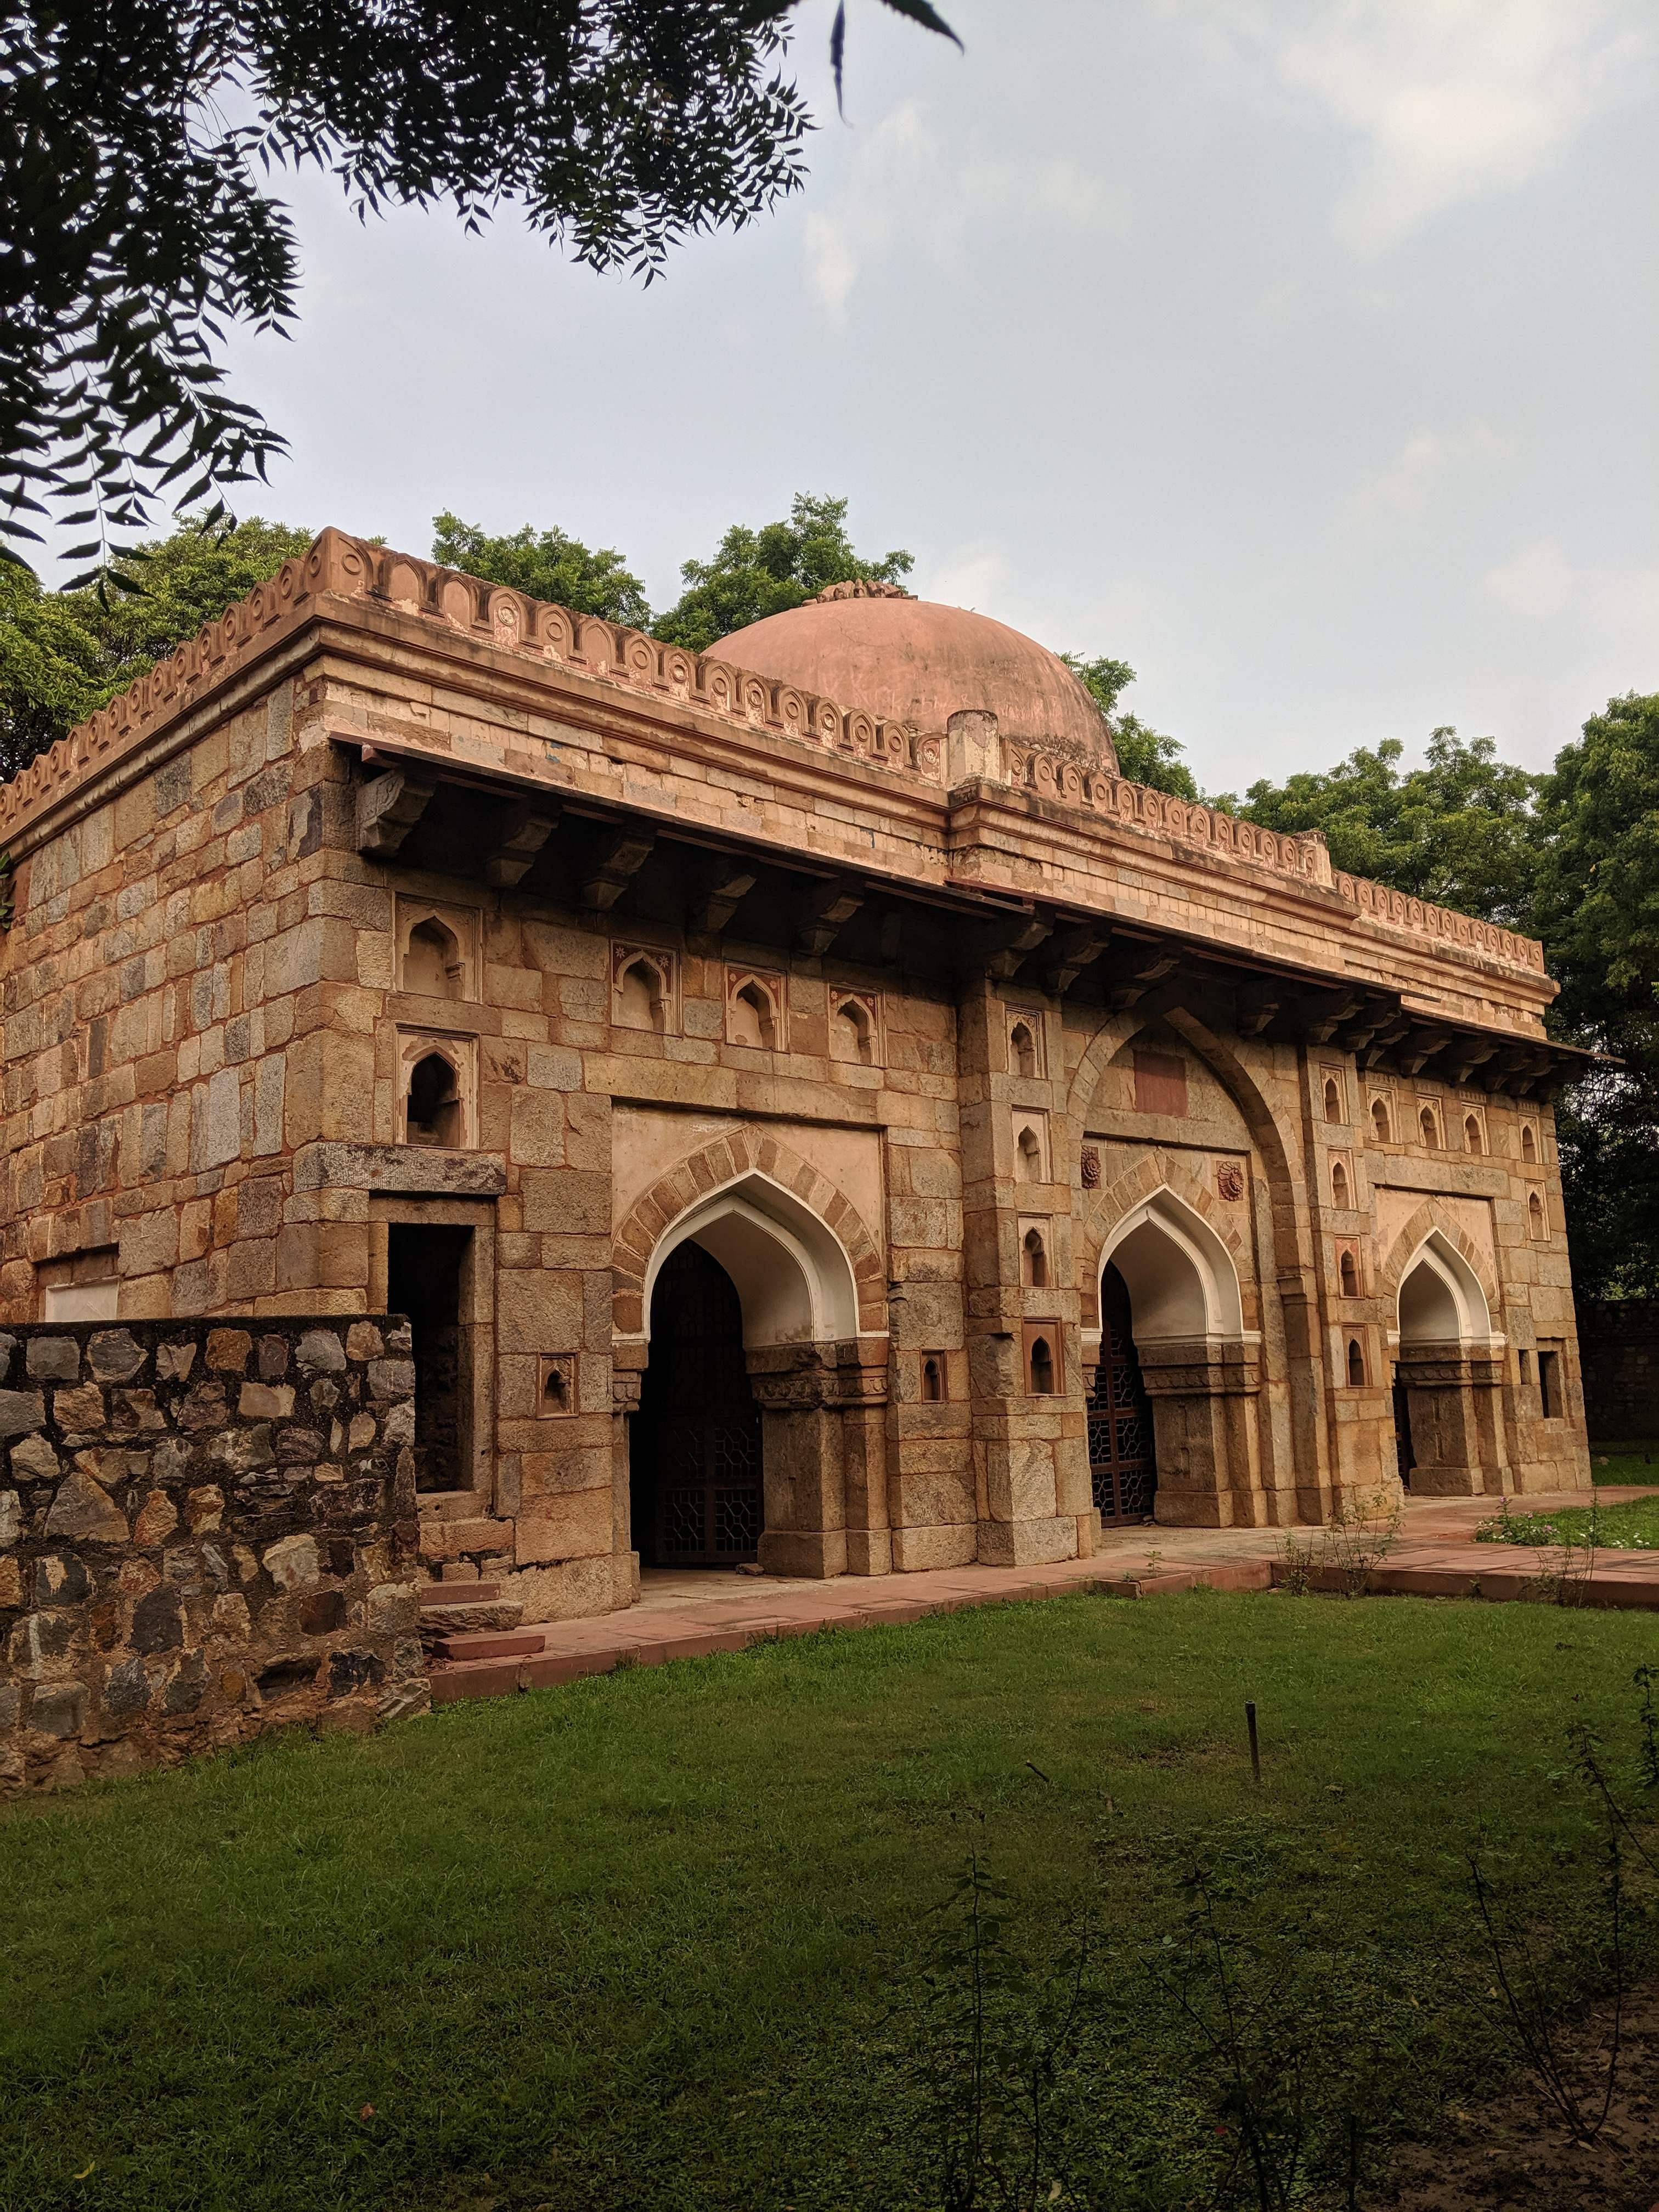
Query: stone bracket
column 388, row 808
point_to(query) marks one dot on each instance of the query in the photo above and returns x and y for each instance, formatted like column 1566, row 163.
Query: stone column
column 1457, row 1429
column 1203, row 1392
column 625, row 1383
column 803, row 1463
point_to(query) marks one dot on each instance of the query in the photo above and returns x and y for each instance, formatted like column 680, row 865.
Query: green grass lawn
column 650, row 1942
column 1626, row 1462
column 1632, row 1526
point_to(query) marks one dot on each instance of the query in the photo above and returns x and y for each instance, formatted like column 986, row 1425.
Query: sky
column 1302, row 355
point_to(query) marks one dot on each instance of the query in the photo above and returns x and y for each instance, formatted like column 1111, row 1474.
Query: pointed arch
column 1440, row 1283
column 1183, row 1262
column 813, row 1272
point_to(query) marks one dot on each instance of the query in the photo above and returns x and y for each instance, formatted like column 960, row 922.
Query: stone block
column 917, row 1550
column 1027, row 1543
column 11, row 1516
column 114, row 1355
column 53, row 1359
column 294, row 1562
column 21, row 1411
column 84, row 1512
column 575, row 1525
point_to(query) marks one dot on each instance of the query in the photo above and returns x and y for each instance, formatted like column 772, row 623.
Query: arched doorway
column 696, row 1450
column 1122, row 1458
column 1447, row 1423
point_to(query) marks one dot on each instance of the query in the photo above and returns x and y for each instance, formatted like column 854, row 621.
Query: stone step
column 453, row 1540
column 511, row 1644
column 459, row 1593
column 487, row 1616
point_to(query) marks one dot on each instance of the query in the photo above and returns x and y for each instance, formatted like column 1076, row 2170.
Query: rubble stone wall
column 206, row 1531
column 1619, row 1348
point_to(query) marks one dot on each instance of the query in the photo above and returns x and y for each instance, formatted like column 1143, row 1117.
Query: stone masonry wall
column 206, row 1531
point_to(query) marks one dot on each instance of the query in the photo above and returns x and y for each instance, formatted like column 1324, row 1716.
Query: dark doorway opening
column 695, row 1456
column 424, row 1270
column 1122, row 1463
column 1405, row 1456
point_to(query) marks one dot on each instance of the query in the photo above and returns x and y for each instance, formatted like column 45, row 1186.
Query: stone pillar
column 1203, row 1392
column 803, row 1463
column 1029, row 1451
column 625, row 1383
column 1457, row 1426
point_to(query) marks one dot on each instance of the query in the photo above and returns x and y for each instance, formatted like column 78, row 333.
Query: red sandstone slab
column 457, row 1593
column 487, row 1643
column 548, row 1668
column 474, row 1678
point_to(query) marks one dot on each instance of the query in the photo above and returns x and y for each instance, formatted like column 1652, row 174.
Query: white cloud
column 904, row 187
column 1421, row 468
column 1537, row 581
column 975, row 575
column 1457, row 98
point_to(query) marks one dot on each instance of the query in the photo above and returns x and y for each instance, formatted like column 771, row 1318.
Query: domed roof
column 913, row 661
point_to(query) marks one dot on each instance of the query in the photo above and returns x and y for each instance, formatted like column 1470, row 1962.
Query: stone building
column 807, row 1104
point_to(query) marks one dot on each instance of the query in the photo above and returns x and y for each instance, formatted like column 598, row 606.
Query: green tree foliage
column 1145, row 754
column 756, row 572
column 135, row 164
column 548, row 565
column 1597, row 910
column 1460, row 830
column 63, row 654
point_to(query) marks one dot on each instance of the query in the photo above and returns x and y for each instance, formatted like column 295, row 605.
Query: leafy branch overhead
column 136, row 143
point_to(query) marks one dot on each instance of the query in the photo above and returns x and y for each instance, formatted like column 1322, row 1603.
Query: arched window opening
column 1339, row 1184
column 1380, row 1121
column 754, row 1020
column 1523, row 1362
column 640, row 996
column 1024, row 1047
column 432, row 961
column 1430, row 1134
column 1333, row 1100
column 1042, row 1368
column 1472, row 1134
column 1348, row 1269
column 932, row 1378
column 554, row 1391
column 849, row 1034
column 1356, row 1363
column 1529, row 1143
column 433, row 1113
column 1030, row 1162
column 1535, row 1215
column 1037, row 1259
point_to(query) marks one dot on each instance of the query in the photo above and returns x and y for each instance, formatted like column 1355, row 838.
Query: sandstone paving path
column 482, row 1649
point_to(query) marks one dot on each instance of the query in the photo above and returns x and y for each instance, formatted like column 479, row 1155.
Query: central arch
column 1181, row 1278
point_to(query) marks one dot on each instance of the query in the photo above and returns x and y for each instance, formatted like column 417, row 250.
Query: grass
column 637, row 1943
column 1633, row 1526
column 1631, row 1463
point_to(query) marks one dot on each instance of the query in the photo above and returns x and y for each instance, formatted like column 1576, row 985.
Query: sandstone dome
column 913, row 661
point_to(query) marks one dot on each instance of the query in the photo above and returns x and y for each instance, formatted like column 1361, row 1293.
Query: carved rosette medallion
column 1230, row 1181
column 1090, row 1168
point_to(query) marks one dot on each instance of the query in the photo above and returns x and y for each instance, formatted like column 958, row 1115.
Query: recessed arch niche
column 793, row 1279
column 1181, row 1277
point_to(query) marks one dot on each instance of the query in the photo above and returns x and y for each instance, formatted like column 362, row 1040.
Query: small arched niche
column 1529, row 1143
column 433, row 1108
column 1040, row 1358
column 641, row 997
column 1380, row 1121
column 932, row 1378
column 1356, row 1363
column 754, row 1016
column 1348, row 1274
column 1028, row 1153
column 1471, row 1137
column 433, row 965
column 1535, row 1222
column 1034, row 1261
column 1340, row 1194
column 1332, row 1099
column 1429, row 1129
column 1023, row 1049
column 1441, row 1300
column 852, row 1033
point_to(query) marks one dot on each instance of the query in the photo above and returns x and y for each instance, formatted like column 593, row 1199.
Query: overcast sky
column 1302, row 355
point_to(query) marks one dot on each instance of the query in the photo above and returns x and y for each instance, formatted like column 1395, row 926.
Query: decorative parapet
column 338, row 567
column 1137, row 806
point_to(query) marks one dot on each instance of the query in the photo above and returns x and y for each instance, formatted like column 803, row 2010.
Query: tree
column 137, row 227
column 1459, row 831
column 756, row 572
column 1596, row 907
column 63, row 654
column 1143, row 754
column 548, row 565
